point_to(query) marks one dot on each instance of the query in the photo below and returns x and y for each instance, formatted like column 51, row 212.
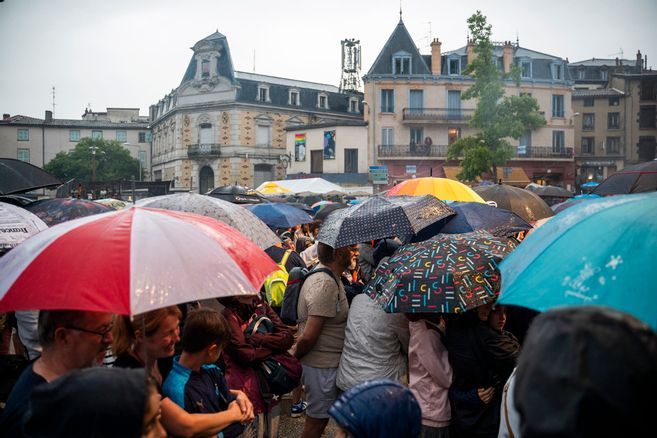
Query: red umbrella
column 131, row 261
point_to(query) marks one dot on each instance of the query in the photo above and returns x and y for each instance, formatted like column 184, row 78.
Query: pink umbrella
column 129, row 262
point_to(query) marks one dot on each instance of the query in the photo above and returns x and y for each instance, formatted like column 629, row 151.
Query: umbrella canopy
column 444, row 189
column 380, row 217
column 323, row 212
column 16, row 225
column 58, row 210
column 234, row 215
column 129, row 262
column 601, row 252
column 279, row 215
column 17, row 200
column 557, row 208
column 549, row 191
column 271, row 188
column 449, row 273
column 524, row 203
column 237, row 194
column 473, row 216
column 116, row 204
column 18, row 176
column 590, row 184
column 639, row 178
column 319, row 205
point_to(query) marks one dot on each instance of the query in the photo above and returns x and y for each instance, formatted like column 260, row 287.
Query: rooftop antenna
column 400, row 11
column 517, row 39
column 620, row 52
column 53, row 100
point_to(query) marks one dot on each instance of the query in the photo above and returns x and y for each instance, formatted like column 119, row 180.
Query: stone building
column 615, row 104
column 222, row 126
column 414, row 109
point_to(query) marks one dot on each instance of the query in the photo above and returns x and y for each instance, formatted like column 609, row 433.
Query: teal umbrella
column 601, row 252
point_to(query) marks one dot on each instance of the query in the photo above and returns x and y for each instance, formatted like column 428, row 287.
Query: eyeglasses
column 102, row 333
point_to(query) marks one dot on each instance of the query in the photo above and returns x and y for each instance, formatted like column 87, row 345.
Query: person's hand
column 486, row 394
column 245, row 405
column 235, row 412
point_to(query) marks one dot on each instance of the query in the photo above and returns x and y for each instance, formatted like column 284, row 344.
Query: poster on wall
column 299, row 147
column 329, row 145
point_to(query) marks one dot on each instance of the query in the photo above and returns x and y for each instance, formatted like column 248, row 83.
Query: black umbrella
column 322, row 214
column 17, row 176
column 237, row 194
column 380, row 217
column 639, row 178
column 549, row 191
column 526, row 204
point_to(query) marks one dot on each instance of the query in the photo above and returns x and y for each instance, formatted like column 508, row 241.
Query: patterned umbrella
column 116, row 204
column 237, row 217
column 601, row 252
column 449, row 273
column 526, row 204
column 444, row 189
column 380, row 217
column 237, row 194
column 16, row 225
column 280, row 215
column 58, row 210
column 319, row 205
column 129, row 262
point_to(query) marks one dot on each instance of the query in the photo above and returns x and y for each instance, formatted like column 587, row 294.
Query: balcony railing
column 440, row 152
column 437, row 114
column 203, row 150
column 412, row 151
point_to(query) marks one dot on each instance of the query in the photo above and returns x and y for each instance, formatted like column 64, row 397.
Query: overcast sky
column 130, row 53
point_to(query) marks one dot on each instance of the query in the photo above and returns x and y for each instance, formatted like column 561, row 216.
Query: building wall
column 346, row 137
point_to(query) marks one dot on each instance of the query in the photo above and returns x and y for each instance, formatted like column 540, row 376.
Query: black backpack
column 296, row 278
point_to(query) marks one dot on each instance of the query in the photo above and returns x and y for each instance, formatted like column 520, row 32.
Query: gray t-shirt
column 376, row 345
column 320, row 296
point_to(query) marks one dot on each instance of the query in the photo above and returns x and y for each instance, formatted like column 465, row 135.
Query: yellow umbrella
column 444, row 189
column 271, row 188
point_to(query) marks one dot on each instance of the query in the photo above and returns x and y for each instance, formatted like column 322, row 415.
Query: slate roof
column 224, row 66
column 597, row 62
column 20, row 120
column 601, row 92
column 399, row 41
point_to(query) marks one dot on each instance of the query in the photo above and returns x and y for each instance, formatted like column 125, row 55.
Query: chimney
column 436, row 61
column 617, row 61
column 645, row 62
column 48, row 116
column 639, row 60
column 470, row 51
column 5, row 116
column 507, row 56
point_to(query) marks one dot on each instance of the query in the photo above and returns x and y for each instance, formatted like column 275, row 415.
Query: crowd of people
column 220, row 367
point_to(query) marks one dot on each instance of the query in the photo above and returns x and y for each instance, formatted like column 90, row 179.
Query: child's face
column 497, row 318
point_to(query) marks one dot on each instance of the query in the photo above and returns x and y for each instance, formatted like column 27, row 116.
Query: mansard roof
column 215, row 42
column 399, row 41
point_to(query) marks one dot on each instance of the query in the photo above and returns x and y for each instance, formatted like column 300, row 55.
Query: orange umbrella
column 444, row 189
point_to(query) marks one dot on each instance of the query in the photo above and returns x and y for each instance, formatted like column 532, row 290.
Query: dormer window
column 603, row 75
column 454, row 65
column 557, row 71
column 263, row 93
column 353, row 105
column 322, row 101
column 205, row 68
column 525, row 69
column 401, row 64
column 294, row 98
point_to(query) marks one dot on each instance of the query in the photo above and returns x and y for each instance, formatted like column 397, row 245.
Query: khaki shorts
column 321, row 390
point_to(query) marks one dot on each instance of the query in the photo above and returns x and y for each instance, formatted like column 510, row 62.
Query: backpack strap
column 326, row 271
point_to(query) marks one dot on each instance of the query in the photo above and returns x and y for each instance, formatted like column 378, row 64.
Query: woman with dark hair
column 245, row 352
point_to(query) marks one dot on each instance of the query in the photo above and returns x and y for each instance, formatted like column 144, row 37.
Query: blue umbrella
column 602, row 252
column 278, row 215
column 591, row 184
column 472, row 216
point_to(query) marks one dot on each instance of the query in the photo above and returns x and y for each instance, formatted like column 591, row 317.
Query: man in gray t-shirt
column 322, row 312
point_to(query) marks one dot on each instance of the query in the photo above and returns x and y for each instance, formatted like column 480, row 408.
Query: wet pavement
column 292, row 427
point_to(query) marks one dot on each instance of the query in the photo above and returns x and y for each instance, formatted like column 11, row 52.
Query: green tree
column 111, row 161
column 497, row 117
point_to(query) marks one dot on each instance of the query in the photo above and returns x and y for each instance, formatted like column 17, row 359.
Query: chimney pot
column 48, row 116
column 5, row 116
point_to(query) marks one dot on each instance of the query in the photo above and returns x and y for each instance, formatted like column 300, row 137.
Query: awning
column 514, row 176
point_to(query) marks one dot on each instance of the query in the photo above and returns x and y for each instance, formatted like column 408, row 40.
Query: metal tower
column 350, row 80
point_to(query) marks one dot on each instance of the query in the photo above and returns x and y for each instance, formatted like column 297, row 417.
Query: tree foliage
column 112, row 162
column 497, row 117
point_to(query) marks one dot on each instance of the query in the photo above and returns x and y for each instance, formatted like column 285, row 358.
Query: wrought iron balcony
column 204, row 150
column 544, row 152
column 412, row 151
column 437, row 115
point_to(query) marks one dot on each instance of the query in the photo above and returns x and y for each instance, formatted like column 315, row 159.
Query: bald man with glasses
column 70, row 340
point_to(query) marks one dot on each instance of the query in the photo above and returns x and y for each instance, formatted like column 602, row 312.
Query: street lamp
column 139, row 150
